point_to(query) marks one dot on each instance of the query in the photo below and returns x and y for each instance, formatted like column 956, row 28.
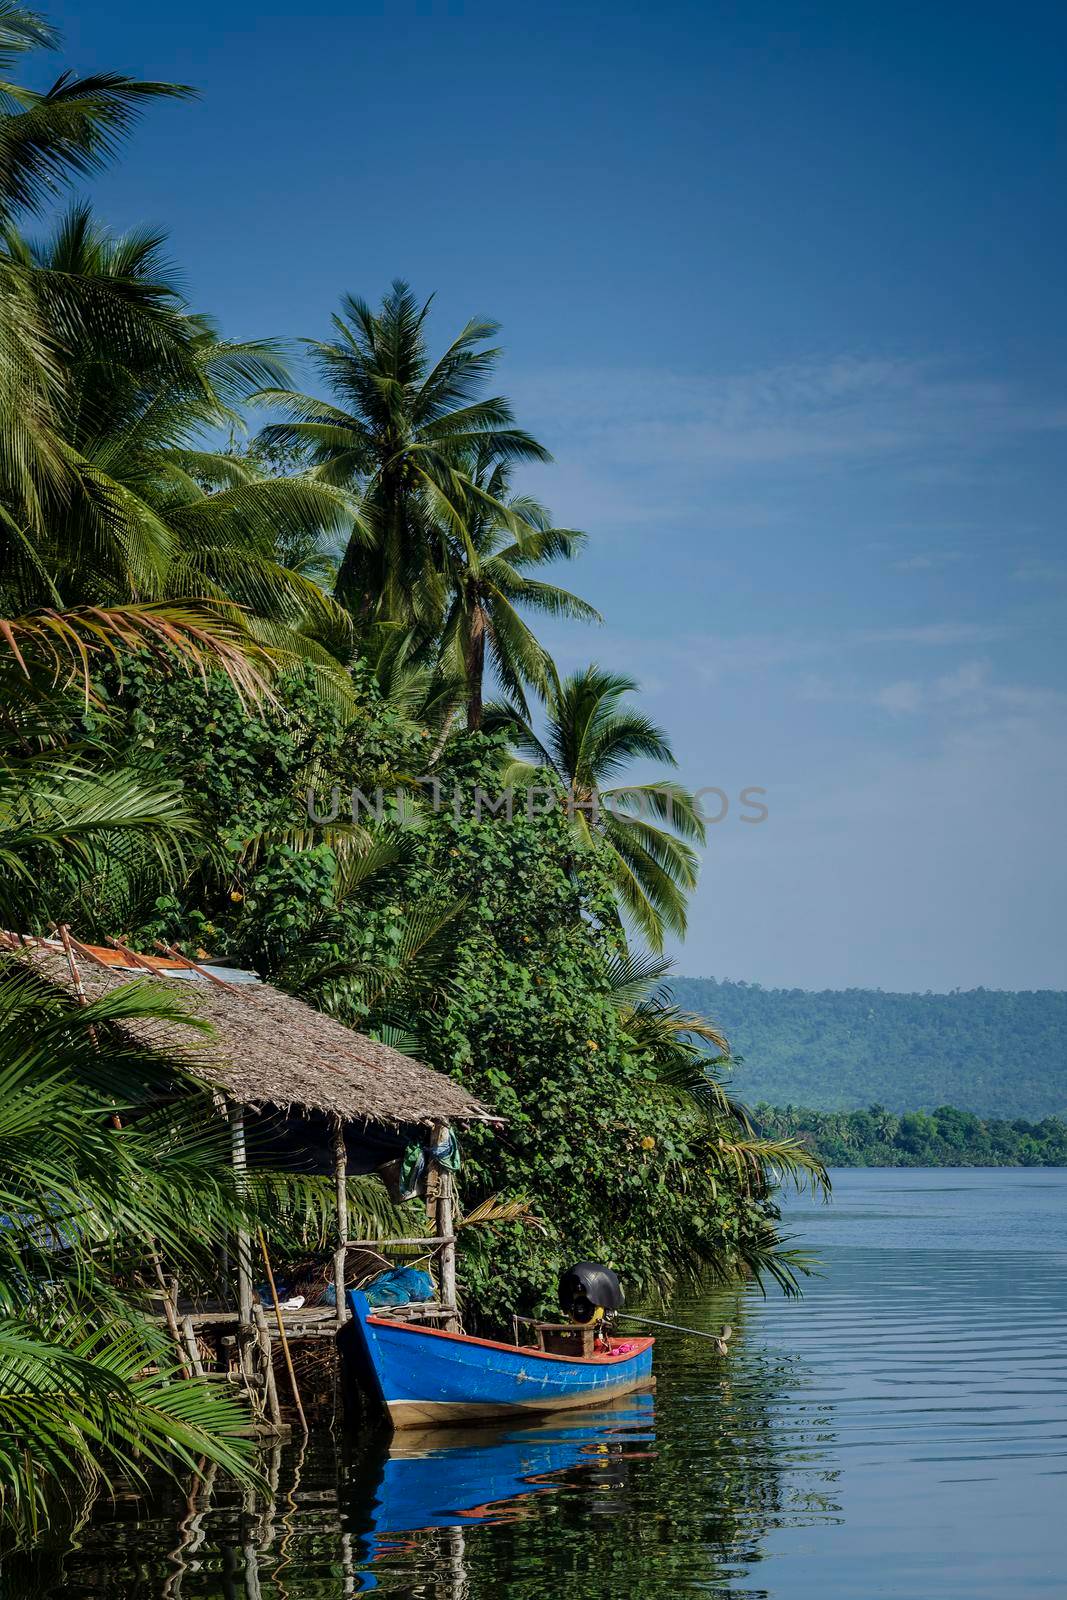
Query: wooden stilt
column 189, row 1335
column 340, row 1173
column 170, row 1312
column 244, row 1243
column 447, row 1258
column 270, row 1383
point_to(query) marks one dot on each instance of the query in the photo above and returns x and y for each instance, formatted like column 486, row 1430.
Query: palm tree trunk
column 442, row 738
column 475, row 670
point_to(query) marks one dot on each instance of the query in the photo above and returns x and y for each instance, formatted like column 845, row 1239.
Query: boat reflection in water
column 455, row 1479
column 575, row 1503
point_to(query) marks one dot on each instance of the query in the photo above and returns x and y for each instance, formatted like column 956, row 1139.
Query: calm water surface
column 902, row 1432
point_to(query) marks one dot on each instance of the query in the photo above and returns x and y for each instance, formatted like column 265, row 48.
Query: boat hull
column 427, row 1378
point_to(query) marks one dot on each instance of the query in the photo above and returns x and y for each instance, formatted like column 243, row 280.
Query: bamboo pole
column 340, row 1173
column 422, row 1245
column 89, row 954
column 141, row 963
column 194, row 966
column 281, row 1334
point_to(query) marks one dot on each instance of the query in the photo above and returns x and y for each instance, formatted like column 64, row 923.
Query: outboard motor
column 588, row 1291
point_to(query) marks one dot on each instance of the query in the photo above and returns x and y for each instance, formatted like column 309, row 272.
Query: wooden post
column 189, row 1335
column 340, row 1173
column 170, row 1312
column 447, row 1258
column 270, row 1384
column 244, row 1245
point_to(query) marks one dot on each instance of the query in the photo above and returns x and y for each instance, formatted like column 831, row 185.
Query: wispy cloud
column 1041, row 572
column 903, row 696
column 935, row 634
column 969, row 693
column 927, row 561
column 968, row 679
column 847, row 408
column 709, row 657
column 966, row 686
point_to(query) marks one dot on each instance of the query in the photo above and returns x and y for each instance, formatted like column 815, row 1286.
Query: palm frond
column 193, row 636
column 748, row 1161
column 495, row 1209
column 71, row 130
column 72, row 817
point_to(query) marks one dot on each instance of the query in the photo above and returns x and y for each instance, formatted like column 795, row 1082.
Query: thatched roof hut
column 267, row 1048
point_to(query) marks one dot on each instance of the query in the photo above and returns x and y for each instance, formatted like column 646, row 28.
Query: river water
column 900, row 1432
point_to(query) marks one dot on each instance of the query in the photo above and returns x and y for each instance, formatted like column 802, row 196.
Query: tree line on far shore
column 947, row 1137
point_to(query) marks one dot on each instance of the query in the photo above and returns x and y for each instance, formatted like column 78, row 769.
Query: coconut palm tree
column 66, row 819
column 152, row 513
column 412, row 680
column 592, row 735
column 46, row 139
column 488, row 576
column 400, row 433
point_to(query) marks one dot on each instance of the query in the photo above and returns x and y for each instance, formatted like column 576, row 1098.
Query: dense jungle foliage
column 484, row 944
column 948, row 1137
column 1000, row 1054
column 193, row 641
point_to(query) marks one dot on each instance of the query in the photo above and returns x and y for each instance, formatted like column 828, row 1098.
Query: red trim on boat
column 635, row 1347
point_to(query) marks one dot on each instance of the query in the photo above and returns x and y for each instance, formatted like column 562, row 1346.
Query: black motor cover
column 587, row 1285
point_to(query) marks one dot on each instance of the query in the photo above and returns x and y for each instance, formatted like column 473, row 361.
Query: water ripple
column 899, row 1433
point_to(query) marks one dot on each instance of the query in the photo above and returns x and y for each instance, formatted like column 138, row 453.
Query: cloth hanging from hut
column 415, row 1162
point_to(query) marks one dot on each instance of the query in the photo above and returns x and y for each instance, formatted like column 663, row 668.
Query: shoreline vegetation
column 193, row 639
column 947, row 1137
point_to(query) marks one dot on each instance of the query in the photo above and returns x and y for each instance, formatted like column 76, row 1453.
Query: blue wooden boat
column 426, row 1377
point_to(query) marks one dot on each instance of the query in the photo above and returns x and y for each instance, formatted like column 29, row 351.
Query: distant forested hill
column 993, row 1052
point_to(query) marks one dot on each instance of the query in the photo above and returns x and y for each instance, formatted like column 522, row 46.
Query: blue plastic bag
column 393, row 1288
column 400, row 1285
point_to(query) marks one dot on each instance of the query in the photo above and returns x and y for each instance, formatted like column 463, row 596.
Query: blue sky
column 782, row 289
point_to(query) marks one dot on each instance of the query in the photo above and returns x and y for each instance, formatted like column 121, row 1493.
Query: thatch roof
column 267, row 1048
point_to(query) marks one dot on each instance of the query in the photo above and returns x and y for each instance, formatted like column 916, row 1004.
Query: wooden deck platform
column 302, row 1322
